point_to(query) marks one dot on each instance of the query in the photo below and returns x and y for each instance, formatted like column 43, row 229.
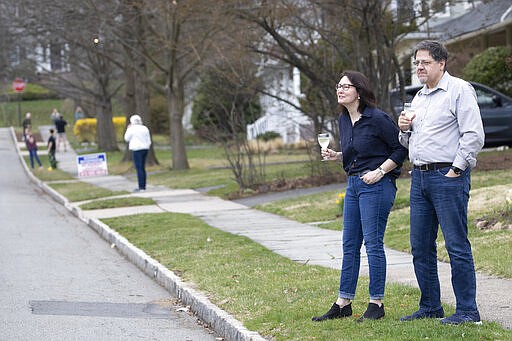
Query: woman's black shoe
column 373, row 312
column 335, row 312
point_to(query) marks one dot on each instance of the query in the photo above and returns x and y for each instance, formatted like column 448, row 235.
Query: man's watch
column 456, row 170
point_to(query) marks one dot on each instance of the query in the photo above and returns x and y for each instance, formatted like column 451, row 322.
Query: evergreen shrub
column 493, row 67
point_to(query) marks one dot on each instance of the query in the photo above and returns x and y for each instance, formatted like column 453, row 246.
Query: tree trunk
column 105, row 131
column 175, row 104
column 142, row 102
column 137, row 91
column 129, row 102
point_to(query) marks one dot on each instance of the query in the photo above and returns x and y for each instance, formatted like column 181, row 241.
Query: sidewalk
column 302, row 243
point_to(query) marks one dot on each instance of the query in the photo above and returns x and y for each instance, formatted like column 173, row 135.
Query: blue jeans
column 365, row 215
column 33, row 155
column 139, row 161
column 439, row 200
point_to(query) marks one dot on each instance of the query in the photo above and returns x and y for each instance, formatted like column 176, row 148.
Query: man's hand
column 404, row 122
column 452, row 174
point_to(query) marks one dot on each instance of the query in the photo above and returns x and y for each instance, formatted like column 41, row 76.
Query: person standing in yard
column 61, row 124
column 79, row 114
column 139, row 140
column 26, row 124
column 443, row 137
column 52, row 146
column 54, row 115
column 372, row 157
column 31, row 144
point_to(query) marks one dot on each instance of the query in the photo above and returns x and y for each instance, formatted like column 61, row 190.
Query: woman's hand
column 372, row 177
column 329, row 154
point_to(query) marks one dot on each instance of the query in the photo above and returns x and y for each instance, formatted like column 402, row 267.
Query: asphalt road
column 60, row 281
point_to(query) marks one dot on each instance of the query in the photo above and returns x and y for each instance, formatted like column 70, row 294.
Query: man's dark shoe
column 459, row 318
column 373, row 312
column 335, row 312
column 423, row 314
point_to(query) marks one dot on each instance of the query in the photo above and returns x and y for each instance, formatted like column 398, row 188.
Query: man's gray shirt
column 447, row 127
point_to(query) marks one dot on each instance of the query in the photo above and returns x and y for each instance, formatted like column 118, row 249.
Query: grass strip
column 273, row 295
column 117, row 202
column 82, row 191
column 44, row 174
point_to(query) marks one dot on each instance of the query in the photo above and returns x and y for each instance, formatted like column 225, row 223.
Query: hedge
column 85, row 128
column 492, row 67
column 32, row 92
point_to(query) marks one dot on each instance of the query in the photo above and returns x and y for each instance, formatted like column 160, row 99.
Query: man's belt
column 433, row 166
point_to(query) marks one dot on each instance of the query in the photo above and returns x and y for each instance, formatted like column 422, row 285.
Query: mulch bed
column 486, row 161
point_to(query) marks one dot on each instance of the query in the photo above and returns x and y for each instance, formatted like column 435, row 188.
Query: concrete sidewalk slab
column 156, row 194
column 199, row 206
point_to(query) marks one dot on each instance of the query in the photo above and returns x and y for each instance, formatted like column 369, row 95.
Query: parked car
column 495, row 108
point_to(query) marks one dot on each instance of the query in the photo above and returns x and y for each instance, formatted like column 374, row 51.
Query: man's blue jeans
column 139, row 161
column 365, row 216
column 440, row 200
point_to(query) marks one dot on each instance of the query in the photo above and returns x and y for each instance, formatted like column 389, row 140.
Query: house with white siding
column 473, row 25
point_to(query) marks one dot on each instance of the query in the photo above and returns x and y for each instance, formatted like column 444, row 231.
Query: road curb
column 219, row 320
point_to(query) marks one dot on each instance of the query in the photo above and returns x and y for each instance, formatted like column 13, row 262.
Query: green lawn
column 273, row 295
column 40, row 111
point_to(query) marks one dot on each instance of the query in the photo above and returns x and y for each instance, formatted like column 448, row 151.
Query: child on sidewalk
column 31, row 144
column 51, row 150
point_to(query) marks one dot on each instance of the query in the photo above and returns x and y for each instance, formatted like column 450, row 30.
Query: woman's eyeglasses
column 344, row 87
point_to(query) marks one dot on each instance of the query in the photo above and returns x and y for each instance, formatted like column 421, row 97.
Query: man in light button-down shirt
column 443, row 136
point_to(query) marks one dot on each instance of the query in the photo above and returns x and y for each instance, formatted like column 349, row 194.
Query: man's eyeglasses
column 422, row 62
column 344, row 87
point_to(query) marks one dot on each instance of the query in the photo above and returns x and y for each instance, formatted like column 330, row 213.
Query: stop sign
column 18, row 85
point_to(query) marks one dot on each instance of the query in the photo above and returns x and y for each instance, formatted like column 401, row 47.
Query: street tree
column 82, row 64
column 175, row 44
column 310, row 36
column 321, row 38
column 226, row 101
column 131, row 33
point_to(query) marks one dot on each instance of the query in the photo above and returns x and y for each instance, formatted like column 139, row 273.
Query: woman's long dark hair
column 364, row 90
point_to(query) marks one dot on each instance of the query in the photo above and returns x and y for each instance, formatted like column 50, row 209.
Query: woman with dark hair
column 372, row 157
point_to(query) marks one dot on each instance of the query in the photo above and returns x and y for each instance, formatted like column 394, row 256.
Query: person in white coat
column 139, row 140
